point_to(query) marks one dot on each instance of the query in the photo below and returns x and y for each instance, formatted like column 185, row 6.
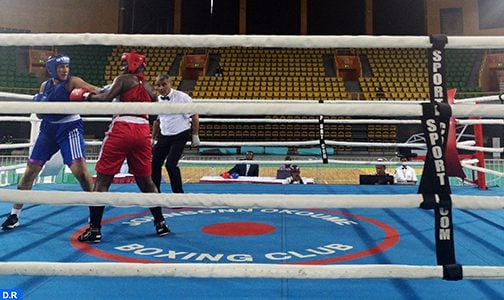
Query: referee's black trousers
column 169, row 148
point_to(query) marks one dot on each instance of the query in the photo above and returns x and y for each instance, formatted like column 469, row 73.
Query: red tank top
column 137, row 93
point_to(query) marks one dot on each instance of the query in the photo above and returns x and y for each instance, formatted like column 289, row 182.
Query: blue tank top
column 56, row 93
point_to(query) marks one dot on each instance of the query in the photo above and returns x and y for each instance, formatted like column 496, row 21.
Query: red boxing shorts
column 126, row 141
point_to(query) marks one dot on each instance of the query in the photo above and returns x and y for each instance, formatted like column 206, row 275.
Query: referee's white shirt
column 172, row 124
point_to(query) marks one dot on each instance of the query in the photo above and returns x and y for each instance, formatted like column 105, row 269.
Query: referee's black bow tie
column 165, row 98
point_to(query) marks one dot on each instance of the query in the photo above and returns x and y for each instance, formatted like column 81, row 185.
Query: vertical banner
column 434, row 185
column 323, row 146
column 435, row 174
column 438, row 94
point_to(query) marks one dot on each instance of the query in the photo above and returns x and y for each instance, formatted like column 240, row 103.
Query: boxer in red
column 128, row 138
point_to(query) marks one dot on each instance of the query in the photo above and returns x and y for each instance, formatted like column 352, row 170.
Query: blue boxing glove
column 235, row 175
column 40, row 97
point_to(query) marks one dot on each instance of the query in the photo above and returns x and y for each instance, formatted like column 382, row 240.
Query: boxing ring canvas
column 260, row 229
column 254, row 235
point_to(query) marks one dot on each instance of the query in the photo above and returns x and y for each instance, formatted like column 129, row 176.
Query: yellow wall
column 470, row 15
column 66, row 16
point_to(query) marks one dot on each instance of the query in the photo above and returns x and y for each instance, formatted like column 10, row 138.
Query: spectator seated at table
column 284, row 170
column 245, row 169
column 295, row 177
column 381, row 176
column 381, row 169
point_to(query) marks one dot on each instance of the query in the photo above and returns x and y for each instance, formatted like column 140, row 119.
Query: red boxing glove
column 79, row 94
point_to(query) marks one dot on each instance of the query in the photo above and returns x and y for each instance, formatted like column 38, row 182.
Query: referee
column 171, row 131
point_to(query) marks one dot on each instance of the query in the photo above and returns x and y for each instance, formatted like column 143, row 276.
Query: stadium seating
column 271, row 73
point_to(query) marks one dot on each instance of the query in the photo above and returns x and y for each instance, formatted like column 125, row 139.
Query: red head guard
column 134, row 59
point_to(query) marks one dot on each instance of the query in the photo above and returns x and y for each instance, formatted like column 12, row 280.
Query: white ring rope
column 217, row 201
column 15, row 146
column 315, row 142
column 262, row 41
column 467, row 143
column 275, row 162
column 482, row 149
column 17, row 119
column 234, row 270
column 335, row 121
column 470, row 161
column 35, row 119
column 375, row 144
column 219, row 107
column 307, row 121
column 479, row 99
column 22, row 97
column 303, row 101
column 480, row 121
column 243, row 107
column 12, row 167
column 96, row 119
column 300, row 162
column 282, row 121
column 287, row 144
column 293, row 143
column 6, row 96
column 484, row 170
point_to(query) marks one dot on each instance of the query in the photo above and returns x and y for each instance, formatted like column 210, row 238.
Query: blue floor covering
column 311, row 236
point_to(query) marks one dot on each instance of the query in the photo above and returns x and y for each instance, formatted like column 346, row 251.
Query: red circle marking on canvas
column 238, row 229
column 391, row 238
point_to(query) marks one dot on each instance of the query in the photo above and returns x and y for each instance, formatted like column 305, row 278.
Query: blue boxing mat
column 269, row 236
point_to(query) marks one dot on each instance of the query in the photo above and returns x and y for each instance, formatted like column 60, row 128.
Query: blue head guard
column 53, row 62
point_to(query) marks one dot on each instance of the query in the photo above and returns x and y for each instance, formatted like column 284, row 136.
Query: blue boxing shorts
column 67, row 137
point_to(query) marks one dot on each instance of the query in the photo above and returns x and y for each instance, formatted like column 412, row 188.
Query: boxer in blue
column 57, row 132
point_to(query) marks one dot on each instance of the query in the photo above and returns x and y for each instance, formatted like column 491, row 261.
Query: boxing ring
column 387, row 240
column 43, row 245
